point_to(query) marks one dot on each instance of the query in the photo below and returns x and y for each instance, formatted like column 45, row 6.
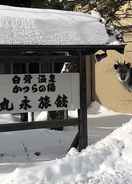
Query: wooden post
column 24, row 116
column 92, row 61
column 83, row 137
column 53, row 115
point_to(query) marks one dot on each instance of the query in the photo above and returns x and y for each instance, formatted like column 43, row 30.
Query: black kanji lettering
column 52, row 78
column 27, row 78
column 51, row 87
column 16, row 79
column 34, row 88
column 26, row 89
column 44, row 102
column 42, row 88
column 4, row 105
column 61, row 101
column 25, row 103
column 41, row 79
column 16, row 89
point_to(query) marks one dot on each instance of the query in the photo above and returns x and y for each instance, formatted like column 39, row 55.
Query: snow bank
column 50, row 27
column 109, row 161
column 95, row 110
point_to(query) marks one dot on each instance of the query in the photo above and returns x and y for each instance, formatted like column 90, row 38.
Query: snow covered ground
column 39, row 156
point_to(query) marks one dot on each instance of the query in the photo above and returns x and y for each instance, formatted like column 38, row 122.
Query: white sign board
column 39, row 92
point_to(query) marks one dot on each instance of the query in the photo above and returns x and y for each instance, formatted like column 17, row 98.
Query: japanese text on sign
column 38, row 92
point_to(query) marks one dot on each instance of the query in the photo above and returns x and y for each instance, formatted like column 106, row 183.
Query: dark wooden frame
column 49, row 54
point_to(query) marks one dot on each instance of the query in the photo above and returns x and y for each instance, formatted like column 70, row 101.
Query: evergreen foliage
column 51, row 4
column 55, row 4
column 108, row 8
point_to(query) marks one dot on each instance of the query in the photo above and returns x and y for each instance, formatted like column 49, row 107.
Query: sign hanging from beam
column 39, row 92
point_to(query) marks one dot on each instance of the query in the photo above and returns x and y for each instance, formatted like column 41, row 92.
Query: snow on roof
column 28, row 26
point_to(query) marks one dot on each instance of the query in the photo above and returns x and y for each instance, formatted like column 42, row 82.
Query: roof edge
column 81, row 48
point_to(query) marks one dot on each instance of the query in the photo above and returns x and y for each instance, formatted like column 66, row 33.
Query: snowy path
column 108, row 161
column 22, row 146
column 100, row 127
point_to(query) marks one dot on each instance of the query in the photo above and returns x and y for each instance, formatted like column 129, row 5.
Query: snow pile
column 95, row 110
column 95, row 14
column 109, row 161
column 49, row 143
column 98, row 110
column 50, row 27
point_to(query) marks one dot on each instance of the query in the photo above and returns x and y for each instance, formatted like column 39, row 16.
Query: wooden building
column 42, row 41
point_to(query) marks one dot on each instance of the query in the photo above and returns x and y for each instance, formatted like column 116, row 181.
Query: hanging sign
column 39, row 92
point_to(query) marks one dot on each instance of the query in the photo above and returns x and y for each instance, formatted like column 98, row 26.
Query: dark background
column 21, row 3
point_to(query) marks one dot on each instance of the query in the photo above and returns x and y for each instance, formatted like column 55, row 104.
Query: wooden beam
column 87, row 49
column 93, row 95
column 83, row 137
column 37, row 125
column 37, row 59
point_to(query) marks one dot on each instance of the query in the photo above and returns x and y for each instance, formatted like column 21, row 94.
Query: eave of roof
column 84, row 49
